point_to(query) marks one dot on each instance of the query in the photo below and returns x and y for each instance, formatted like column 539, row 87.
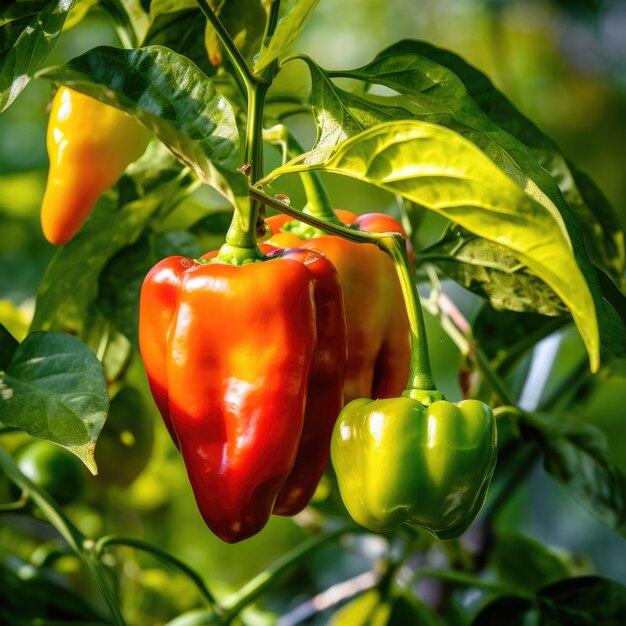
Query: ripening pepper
column 378, row 331
column 246, row 365
column 398, row 461
column 89, row 144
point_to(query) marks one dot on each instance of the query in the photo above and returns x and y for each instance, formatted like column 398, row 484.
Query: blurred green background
column 563, row 63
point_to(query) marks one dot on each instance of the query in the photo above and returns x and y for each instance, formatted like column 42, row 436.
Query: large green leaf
column 54, row 389
column 438, row 96
column 490, row 269
column 440, row 79
column 167, row 93
column 21, row 58
column 294, row 15
column 440, row 170
column 577, row 454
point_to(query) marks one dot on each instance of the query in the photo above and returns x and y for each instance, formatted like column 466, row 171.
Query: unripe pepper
column 235, row 357
column 378, row 331
column 400, row 461
column 89, row 144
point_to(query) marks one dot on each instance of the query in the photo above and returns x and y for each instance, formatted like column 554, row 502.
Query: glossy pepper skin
column 231, row 353
column 89, row 144
column 398, row 461
column 378, row 329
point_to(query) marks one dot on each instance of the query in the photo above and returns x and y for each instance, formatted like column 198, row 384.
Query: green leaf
column 440, row 170
column 54, row 389
column 8, row 345
column 438, row 96
column 168, row 94
column 245, row 22
column 295, row 13
column 69, row 288
column 340, row 115
column 526, row 563
column 19, row 62
column 583, row 601
column 180, row 26
column 602, row 228
column 490, row 270
column 442, row 82
column 19, row 9
column 577, row 455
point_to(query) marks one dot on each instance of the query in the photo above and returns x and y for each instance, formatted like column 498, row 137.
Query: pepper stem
column 421, row 384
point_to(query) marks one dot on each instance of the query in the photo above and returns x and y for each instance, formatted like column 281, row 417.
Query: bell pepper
column 378, row 330
column 398, row 461
column 89, row 144
column 246, row 366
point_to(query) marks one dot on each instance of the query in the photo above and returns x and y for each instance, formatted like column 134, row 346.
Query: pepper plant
column 297, row 335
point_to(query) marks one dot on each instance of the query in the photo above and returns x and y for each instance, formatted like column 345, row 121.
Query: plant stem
column 393, row 244
column 116, row 540
column 255, row 587
column 498, row 385
column 318, row 202
column 461, row 579
column 242, row 230
column 18, row 505
column 75, row 539
column 420, row 375
column 233, row 52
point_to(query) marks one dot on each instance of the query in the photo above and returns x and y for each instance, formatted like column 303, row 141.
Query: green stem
column 461, row 579
column 233, row 52
column 115, row 540
column 75, row 539
column 421, row 385
column 241, row 238
column 18, row 505
column 318, row 202
column 420, row 375
column 257, row 586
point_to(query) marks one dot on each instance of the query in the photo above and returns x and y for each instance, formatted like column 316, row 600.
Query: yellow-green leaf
column 440, row 170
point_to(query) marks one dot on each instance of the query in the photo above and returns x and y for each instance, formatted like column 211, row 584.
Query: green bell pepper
column 399, row 461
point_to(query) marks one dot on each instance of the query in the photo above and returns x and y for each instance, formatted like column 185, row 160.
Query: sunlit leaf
column 440, row 170
column 294, row 15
